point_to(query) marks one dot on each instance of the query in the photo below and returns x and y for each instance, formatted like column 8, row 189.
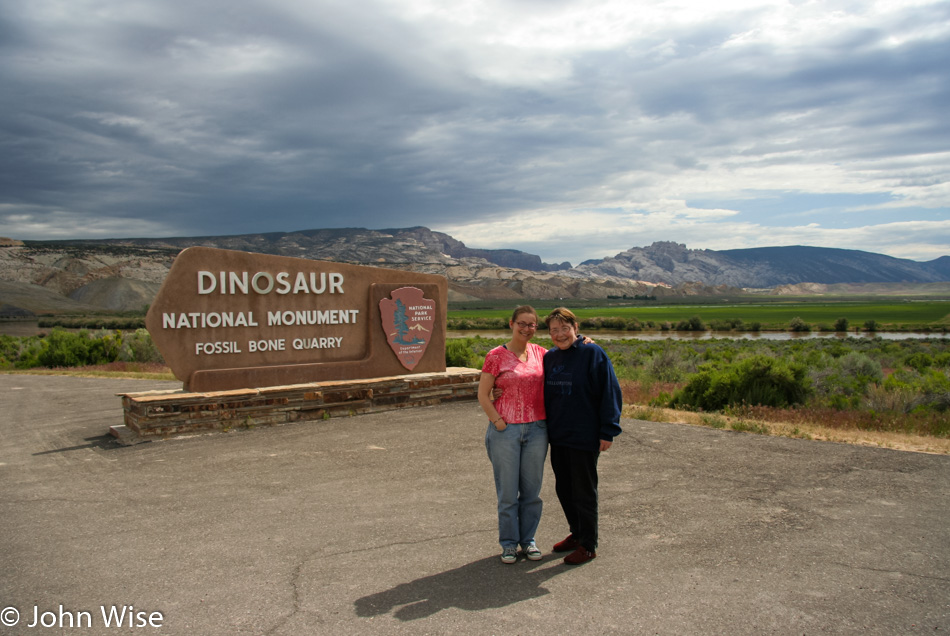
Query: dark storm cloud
column 120, row 119
column 146, row 124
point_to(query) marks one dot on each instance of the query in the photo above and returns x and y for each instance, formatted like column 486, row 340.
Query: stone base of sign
column 159, row 414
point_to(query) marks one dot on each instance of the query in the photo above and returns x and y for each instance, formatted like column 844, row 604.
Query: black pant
column 575, row 475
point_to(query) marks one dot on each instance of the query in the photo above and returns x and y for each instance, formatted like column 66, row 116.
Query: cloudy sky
column 569, row 129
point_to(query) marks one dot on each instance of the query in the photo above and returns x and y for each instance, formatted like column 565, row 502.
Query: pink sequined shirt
column 522, row 383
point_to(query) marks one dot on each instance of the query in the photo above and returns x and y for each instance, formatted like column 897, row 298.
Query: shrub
column 19, row 353
column 859, row 365
column 693, row 324
column 94, row 322
column 617, row 324
column 919, row 361
column 757, row 380
column 62, row 349
column 469, row 352
column 138, row 347
column 798, row 325
column 65, row 349
column 662, row 399
column 458, row 353
column 895, row 399
column 634, row 324
column 842, row 382
column 841, row 324
column 935, row 387
column 496, row 322
column 666, row 365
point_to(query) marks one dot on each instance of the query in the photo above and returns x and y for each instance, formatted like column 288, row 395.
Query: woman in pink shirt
column 517, row 437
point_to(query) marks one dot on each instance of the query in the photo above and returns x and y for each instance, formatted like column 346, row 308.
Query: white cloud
column 558, row 235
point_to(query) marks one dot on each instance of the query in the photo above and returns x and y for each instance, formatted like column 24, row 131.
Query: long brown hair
column 524, row 309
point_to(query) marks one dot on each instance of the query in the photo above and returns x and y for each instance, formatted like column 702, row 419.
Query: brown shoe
column 579, row 556
column 567, row 545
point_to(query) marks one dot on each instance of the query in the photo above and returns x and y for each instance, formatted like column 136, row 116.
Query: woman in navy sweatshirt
column 582, row 401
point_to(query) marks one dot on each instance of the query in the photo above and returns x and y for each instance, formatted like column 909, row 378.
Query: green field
column 738, row 314
column 912, row 315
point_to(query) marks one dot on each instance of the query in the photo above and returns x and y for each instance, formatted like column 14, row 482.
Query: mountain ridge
column 124, row 274
column 762, row 267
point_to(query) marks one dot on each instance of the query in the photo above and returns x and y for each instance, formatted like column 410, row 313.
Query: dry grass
column 849, row 427
column 800, row 429
column 131, row 370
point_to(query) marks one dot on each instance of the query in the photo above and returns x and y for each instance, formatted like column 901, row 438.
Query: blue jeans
column 517, row 455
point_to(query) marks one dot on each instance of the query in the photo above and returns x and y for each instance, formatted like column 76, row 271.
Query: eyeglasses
column 526, row 325
column 562, row 329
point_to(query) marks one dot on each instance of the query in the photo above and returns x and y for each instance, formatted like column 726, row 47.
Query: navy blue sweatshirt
column 582, row 398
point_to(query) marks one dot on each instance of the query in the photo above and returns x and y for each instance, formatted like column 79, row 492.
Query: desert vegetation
column 867, row 385
column 62, row 349
column 812, row 388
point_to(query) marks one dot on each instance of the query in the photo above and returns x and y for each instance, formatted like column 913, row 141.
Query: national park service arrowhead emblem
column 408, row 320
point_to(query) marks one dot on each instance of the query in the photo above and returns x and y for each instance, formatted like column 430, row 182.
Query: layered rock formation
column 124, row 274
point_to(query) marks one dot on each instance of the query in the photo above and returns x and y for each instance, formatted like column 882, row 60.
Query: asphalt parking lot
column 385, row 524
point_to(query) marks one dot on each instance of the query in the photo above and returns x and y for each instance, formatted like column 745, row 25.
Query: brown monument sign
column 227, row 320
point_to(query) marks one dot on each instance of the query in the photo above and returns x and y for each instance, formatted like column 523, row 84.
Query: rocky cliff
column 125, row 274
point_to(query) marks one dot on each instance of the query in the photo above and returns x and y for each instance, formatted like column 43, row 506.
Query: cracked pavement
column 385, row 523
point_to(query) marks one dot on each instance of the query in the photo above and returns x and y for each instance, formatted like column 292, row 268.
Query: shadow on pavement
column 101, row 442
column 472, row 587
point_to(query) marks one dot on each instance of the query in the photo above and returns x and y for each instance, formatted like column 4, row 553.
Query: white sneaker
column 509, row 555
